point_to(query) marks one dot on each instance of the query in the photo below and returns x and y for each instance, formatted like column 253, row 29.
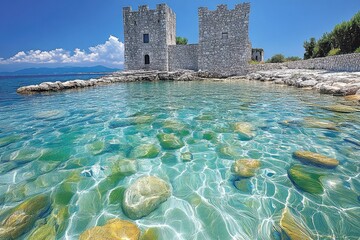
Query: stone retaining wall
column 345, row 62
column 183, row 57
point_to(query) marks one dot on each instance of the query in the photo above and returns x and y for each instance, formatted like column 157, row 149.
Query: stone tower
column 147, row 34
column 224, row 45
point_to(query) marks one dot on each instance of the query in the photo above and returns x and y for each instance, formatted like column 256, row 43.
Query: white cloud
column 111, row 52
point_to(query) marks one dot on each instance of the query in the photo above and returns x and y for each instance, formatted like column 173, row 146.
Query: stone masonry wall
column 345, row 62
column 160, row 24
column 183, row 57
column 224, row 45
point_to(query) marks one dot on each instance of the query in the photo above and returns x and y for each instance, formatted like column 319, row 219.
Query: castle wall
column 224, row 45
column 183, row 57
column 160, row 25
column 345, row 62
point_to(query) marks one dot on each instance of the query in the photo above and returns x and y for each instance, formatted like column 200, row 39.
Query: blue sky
column 90, row 32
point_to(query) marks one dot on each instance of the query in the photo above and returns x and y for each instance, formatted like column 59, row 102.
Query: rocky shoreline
column 131, row 76
column 327, row 82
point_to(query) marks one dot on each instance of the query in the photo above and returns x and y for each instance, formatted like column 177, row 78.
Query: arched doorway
column 147, row 59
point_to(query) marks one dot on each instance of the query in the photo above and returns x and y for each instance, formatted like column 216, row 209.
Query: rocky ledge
column 130, row 76
column 335, row 83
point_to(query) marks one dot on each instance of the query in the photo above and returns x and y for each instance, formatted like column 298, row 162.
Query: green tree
column 309, row 48
column 323, row 46
column 277, row 58
column 355, row 32
column 181, row 41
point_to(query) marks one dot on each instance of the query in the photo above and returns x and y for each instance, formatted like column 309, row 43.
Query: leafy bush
column 255, row 62
column 335, row 51
column 293, row 58
column 357, row 50
column 277, row 58
column 181, row 41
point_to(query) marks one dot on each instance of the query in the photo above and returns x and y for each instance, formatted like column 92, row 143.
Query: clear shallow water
column 73, row 138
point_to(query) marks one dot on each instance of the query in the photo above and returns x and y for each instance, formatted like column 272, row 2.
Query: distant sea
column 9, row 84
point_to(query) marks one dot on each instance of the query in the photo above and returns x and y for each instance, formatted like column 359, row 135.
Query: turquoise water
column 65, row 145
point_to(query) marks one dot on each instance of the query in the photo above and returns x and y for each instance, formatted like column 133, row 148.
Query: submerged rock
column 124, row 166
column 228, row 152
column 316, row 159
column 209, row 135
column 44, row 232
column 113, row 229
column 170, row 141
column 21, row 219
column 143, row 119
column 341, row 109
column 171, row 126
column 96, row 148
column 150, row 234
column 55, row 154
column 245, row 167
column 50, row 115
column 25, row 155
column 354, row 98
column 144, row 196
column 317, row 123
column 293, row 227
column 245, row 130
column 205, row 117
column 186, row 156
column 4, row 141
column 243, row 185
column 145, row 151
column 306, row 179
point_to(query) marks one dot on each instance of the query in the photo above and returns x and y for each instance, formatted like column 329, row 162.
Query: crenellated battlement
column 242, row 7
column 145, row 9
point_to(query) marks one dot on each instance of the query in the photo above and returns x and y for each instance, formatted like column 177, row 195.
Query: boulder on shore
column 144, row 196
column 316, row 159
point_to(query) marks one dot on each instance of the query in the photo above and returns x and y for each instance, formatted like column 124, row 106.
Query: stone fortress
column 224, row 46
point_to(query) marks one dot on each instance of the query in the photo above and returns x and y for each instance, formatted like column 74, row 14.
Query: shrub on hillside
column 357, row 50
column 335, row 51
column 293, row 58
column 277, row 58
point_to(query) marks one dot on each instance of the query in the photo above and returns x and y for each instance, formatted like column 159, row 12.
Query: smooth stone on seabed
column 355, row 98
column 245, row 130
column 44, row 232
column 341, row 109
column 114, row 229
column 306, row 178
column 318, row 123
column 316, row 159
column 170, row 141
column 144, row 196
column 245, row 167
column 4, row 141
column 293, row 227
column 145, row 151
column 22, row 218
